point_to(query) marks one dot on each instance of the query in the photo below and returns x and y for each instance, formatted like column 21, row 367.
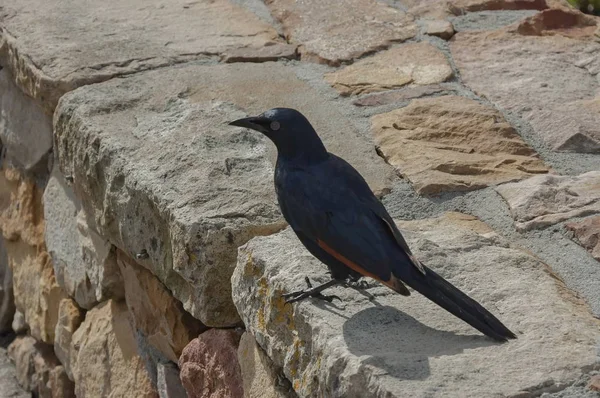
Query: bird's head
column 289, row 130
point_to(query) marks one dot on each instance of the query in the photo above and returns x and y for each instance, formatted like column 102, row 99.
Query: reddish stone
column 587, row 234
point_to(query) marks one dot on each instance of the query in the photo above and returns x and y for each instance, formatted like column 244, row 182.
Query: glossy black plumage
column 339, row 220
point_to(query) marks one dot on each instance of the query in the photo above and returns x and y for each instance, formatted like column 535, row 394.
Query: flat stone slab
column 444, row 8
column 171, row 184
column 333, row 32
column 587, row 234
column 549, row 81
column 541, row 201
column 452, row 143
column 419, row 63
column 390, row 345
column 54, row 46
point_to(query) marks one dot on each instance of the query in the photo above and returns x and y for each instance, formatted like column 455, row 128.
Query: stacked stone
column 142, row 250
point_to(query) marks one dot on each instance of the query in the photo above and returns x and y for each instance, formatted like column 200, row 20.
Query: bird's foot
column 358, row 284
column 315, row 292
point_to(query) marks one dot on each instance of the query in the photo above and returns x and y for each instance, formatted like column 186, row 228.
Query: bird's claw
column 299, row 295
column 360, row 284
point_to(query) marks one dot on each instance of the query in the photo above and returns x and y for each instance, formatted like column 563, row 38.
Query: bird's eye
column 275, row 126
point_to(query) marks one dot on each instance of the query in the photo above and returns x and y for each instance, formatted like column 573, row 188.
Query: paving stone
column 587, row 233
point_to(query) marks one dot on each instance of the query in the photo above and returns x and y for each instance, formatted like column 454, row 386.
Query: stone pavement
column 143, row 252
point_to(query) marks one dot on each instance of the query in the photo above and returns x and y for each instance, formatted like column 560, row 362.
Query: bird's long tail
column 447, row 296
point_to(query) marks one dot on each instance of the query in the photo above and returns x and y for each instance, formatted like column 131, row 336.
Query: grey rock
column 168, row 383
column 83, row 262
column 52, row 47
column 380, row 344
column 25, row 130
column 168, row 182
column 7, row 299
column 18, row 323
column 541, row 201
column 8, row 379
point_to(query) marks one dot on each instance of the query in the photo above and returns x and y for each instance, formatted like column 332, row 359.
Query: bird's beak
column 257, row 123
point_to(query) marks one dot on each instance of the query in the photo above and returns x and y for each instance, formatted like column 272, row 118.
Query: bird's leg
column 358, row 284
column 312, row 292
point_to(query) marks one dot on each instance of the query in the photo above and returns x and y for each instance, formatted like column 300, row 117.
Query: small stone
column 467, row 145
column 332, row 32
column 438, row 27
column 209, row 365
column 266, row 53
column 542, row 201
column 587, row 234
column 103, row 356
column 419, row 63
column 69, row 319
column 168, row 382
column 18, row 323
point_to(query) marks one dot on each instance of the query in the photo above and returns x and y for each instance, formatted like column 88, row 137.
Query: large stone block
column 168, row 182
column 159, row 316
column 70, row 317
column 25, row 130
column 103, row 356
column 381, row 344
column 84, row 263
column 37, row 295
column 52, row 47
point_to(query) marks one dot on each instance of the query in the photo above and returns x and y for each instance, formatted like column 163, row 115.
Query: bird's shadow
column 401, row 346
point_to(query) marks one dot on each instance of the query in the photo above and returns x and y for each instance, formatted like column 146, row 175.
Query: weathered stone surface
column 18, row 323
column 438, row 27
column 443, row 8
column 103, row 356
column 184, row 218
column 467, row 145
column 526, row 75
column 8, row 379
column 70, row 317
column 36, row 292
column 7, row 300
column 162, row 319
column 52, row 47
column 541, row 201
column 587, row 233
column 263, row 54
column 25, row 130
column 336, row 31
column 168, row 383
column 562, row 21
column 38, row 370
column 259, row 375
column 401, row 95
column 330, row 350
column 209, row 365
column 84, row 264
column 419, row 63
column 594, row 383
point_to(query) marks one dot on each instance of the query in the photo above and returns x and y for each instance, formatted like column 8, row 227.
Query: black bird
column 335, row 215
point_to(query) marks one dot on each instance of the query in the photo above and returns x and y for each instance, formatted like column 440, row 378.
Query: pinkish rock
column 209, row 365
column 587, row 233
column 270, row 52
column 561, row 21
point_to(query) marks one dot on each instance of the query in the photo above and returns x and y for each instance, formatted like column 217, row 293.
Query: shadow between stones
column 400, row 345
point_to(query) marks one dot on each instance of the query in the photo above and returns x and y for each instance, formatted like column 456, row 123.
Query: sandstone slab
column 406, row 93
column 38, row 370
column 452, row 143
column 561, row 21
column 162, row 319
column 209, row 365
column 25, row 130
column 260, row 377
column 271, row 52
column 70, row 317
column 329, row 350
column 103, row 355
column 549, row 81
column 444, row 8
column 587, row 233
column 52, row 47
column 167, row 181
column 7, row 300
column 168, row 382
column 37, row 294
column 419, row 63
column 541, row 201
column 84, row 263
column 438, row 27
column 333, row 32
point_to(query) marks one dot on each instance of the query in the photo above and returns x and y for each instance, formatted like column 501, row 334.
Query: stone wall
column 142, row 250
